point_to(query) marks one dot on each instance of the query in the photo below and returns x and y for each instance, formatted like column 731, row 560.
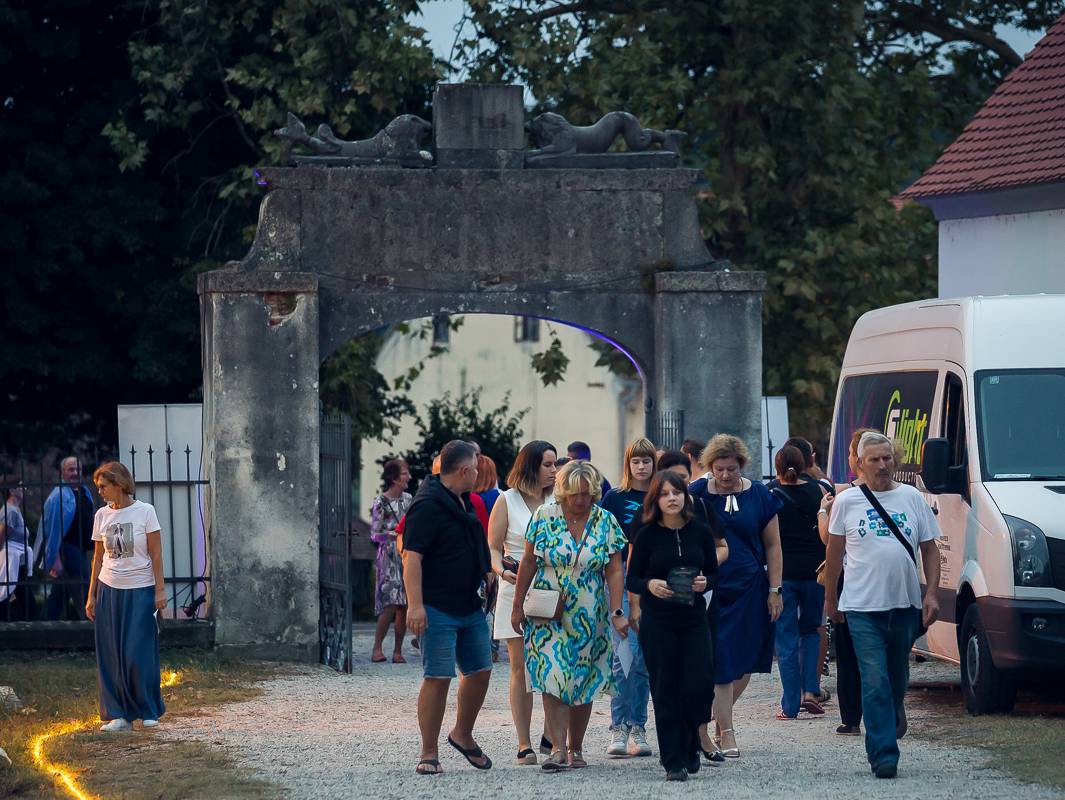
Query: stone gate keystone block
column 479, row 126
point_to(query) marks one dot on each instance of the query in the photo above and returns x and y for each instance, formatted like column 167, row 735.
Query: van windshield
column 1021, row 421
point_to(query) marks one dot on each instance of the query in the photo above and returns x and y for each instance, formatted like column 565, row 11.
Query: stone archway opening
column 346, row 245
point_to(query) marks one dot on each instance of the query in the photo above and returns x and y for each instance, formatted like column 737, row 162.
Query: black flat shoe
column 545, row 746
column 677, row 775
column 715, row 757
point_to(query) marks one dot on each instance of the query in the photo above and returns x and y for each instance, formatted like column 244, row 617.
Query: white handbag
column 543, row 604
column 548, row 604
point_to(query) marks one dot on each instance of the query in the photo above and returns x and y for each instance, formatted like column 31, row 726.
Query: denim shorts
column 455, row 639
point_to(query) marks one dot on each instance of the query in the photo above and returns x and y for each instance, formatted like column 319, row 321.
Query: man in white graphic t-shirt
column 882, row 594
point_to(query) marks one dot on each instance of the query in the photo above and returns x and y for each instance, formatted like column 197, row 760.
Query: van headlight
column 1031, row 557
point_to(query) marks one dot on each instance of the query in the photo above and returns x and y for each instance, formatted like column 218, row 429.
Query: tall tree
column 92, row 314
column 806, row 117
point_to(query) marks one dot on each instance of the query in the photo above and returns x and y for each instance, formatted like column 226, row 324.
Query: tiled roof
column 1017, row 138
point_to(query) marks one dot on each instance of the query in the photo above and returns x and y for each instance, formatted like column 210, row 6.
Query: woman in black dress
column 672, row 557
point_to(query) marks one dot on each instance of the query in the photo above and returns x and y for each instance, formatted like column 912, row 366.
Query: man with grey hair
column 445, row 559
column 66, row 527
column 879, row 526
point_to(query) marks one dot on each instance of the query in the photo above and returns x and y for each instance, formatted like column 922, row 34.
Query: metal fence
column 668, row 430
column 46, row 545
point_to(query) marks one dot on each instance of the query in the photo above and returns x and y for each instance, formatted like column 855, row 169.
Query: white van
column 974, row 389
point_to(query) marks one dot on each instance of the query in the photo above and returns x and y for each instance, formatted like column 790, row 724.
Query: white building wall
column 1005, row 254
column 591, row 404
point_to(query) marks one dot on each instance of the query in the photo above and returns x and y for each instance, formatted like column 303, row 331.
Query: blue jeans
column 798, row 642
column 450, row 640
column 882, row 642
column 629, row 706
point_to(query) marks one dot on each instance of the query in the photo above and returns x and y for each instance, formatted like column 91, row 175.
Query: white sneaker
column 638, row 742
column 116, row 725
column 150, row 723
column 619, row 738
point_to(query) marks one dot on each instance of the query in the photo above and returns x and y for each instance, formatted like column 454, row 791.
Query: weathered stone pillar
column 708, row 353
column 260, row 376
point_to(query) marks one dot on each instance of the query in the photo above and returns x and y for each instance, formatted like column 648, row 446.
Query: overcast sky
column 439, row 18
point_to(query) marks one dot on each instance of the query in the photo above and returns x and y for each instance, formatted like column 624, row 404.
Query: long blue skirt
column 127, row 654
column 744, row 631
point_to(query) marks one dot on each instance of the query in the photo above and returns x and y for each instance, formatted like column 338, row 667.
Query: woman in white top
column 125, row 590
column 530, row 480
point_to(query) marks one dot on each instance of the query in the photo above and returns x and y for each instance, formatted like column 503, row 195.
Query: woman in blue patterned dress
column 749, row 583
column 572, row 546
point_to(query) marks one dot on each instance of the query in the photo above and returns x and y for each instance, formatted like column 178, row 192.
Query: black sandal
column 525, row 755
column 472, row 753
column 430, row 762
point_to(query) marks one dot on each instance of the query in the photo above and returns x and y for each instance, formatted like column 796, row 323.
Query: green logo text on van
column 908, row 426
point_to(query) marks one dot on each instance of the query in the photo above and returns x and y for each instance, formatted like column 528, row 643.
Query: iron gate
column 668, row 432
column 334, row 531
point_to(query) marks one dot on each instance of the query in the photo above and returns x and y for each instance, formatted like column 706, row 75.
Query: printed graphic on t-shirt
column 118, row 539
column 630, row 511
column 877, row 525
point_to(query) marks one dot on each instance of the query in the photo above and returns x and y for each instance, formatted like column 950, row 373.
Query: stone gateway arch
column 360, row 235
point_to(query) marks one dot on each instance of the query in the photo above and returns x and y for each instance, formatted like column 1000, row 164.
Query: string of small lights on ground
column 63, row 774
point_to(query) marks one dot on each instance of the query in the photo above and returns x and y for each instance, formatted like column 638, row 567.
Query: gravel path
column 319, row 734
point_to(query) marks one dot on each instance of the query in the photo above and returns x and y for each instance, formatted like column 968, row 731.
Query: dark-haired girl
column 670, row 549
column 798, row 636
column 390, row 597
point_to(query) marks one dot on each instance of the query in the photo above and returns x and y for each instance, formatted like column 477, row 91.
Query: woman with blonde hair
column 628, row 707
column 126, row 590
column 749, row 583
column 848, row 679
column 531, row 480
column 572, row 558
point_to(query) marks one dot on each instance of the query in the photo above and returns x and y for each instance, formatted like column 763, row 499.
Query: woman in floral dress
column 572, row 546
column 390, row 598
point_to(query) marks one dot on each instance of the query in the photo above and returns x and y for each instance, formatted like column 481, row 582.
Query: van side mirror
column 935, row 465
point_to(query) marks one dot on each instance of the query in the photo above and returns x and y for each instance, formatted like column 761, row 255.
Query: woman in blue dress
column 749, row 583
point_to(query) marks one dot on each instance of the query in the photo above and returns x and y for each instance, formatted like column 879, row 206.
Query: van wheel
column 985, row 689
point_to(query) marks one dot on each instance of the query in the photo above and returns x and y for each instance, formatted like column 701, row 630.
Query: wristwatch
column 776, row 590
column 617, row 612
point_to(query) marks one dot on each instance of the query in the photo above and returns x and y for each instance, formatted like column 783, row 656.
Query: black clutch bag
column 680, row 580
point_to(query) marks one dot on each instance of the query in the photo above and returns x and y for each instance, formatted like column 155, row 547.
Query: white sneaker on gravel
column 619, row 739
column 116, row 725
column 638, row 742
column 150, row 723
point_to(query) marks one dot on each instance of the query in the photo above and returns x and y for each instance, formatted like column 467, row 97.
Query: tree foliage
column 129, row 134
column 806, row 118
column 498, row 431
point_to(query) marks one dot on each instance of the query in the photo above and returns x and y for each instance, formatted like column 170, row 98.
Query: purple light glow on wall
column 597, row 335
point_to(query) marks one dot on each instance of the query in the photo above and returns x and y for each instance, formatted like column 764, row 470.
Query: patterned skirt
column 389, row 590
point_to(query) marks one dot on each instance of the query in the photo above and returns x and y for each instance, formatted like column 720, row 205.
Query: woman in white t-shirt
column 125, row 591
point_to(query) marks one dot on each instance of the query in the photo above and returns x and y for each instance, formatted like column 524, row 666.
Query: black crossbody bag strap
column 889, row 522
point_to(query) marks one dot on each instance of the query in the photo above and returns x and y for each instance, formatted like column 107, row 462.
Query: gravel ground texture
column 319, row 734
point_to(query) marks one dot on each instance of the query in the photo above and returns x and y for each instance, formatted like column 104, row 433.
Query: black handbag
column 921, row 629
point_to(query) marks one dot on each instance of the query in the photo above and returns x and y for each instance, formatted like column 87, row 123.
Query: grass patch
column 60, row 688
column 1023, row 744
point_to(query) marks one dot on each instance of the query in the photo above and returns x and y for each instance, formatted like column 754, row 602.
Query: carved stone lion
column 555, row 135
column 400, row 140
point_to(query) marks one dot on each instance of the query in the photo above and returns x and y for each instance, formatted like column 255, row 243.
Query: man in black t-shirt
column 446, row 558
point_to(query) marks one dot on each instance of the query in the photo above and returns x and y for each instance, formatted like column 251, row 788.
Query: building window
column 526, row 329
column 441, row 329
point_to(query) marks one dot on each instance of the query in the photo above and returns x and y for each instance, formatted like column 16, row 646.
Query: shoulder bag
column 548, row 604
